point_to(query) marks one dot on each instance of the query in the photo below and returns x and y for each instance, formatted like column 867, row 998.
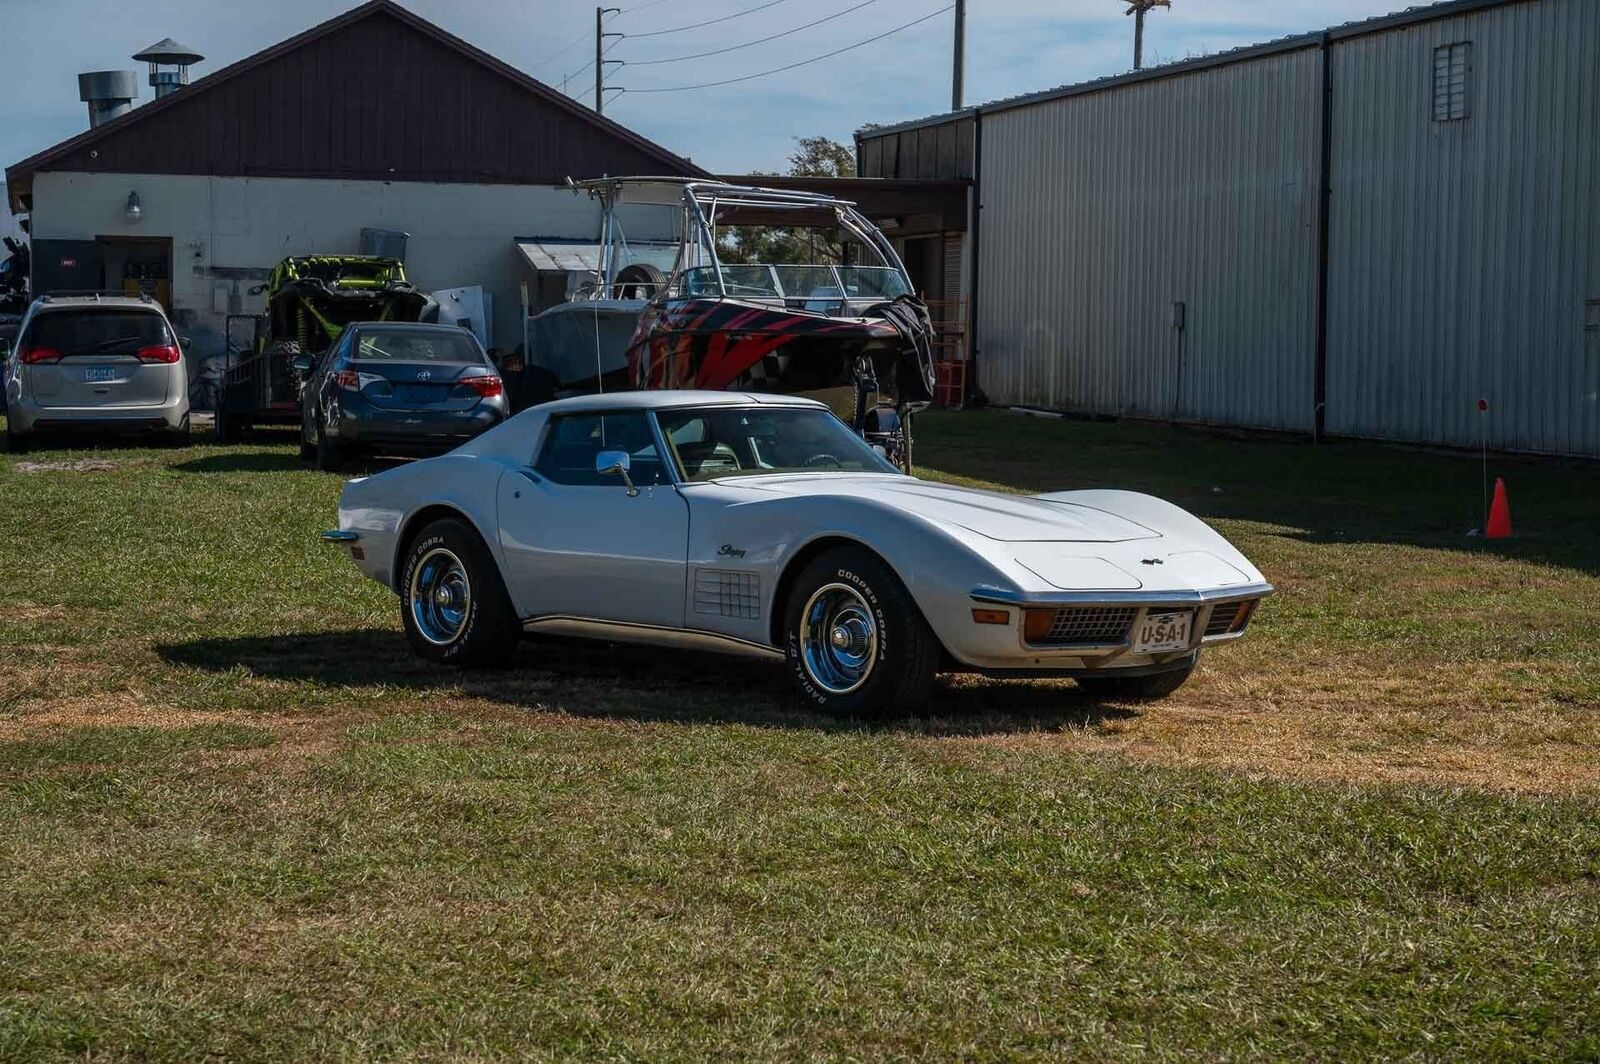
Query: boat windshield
column 709, row 443
column 817, row 288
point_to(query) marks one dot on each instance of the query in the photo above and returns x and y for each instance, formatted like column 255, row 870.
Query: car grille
column 1224, row 617
column 1089, row 626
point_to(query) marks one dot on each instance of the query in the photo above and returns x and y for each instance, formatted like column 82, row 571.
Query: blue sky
column 1014, row 46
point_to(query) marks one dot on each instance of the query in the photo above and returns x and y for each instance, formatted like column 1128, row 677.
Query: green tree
column 812, row 157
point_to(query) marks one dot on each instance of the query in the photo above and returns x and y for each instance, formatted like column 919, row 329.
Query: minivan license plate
column 1162, row 632
column 99, row 374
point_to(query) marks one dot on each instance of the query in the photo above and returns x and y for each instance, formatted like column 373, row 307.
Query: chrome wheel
column 440, row 596
column 838, row 639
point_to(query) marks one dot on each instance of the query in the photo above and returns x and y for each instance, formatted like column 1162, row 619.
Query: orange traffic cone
column 1499, row 526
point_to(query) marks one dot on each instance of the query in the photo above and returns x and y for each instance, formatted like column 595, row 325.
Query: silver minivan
column 95, row 363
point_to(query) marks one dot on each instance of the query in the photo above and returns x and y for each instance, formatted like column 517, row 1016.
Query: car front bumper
column 1002, row 649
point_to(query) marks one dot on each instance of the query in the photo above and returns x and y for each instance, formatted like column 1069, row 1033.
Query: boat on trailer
column 846, row 327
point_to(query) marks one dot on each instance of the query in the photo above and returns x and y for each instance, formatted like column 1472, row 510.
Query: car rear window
column 457, row 347
column 98, row 330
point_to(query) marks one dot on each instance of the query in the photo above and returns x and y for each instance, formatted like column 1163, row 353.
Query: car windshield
column 420, row 346
column 98, row 330
column 745, row 441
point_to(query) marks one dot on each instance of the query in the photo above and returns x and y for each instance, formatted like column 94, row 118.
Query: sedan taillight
column 34, row 356
column 487, row 387
column 159, row 354
column 348, row 379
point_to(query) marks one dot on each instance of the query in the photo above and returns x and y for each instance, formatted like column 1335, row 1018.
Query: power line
column 590, row 63
column 803, row 62
column 708, row 22
column 547, row 60
column 751, row 44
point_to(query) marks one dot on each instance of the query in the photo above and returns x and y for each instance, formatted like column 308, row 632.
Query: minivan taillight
column 33, row 356
column 159, row 354
column 486, row 387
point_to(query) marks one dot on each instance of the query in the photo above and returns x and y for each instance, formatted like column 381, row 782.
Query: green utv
column 310, row 300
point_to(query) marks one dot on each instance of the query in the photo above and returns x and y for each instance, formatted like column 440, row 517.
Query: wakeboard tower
column 845, row 327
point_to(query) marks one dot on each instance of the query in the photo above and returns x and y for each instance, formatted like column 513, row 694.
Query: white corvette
column 762, row 524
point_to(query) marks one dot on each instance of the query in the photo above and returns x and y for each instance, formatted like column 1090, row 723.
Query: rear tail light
column 159, row 354
column 348, row 379
column 487, row 387
column 33, row 356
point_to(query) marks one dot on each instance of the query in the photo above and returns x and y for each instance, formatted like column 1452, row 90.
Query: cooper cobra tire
column 856, row 643
column 1139, row 688
column 452, row 600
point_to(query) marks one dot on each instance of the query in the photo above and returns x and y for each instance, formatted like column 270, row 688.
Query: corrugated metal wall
column 1102, row 210
column 1463, row 253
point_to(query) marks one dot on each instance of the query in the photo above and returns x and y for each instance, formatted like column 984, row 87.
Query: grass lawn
column 238, row 820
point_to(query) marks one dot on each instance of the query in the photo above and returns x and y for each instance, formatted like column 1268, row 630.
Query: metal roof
column 1364, row 27
column 559, row 123
column 556, row 257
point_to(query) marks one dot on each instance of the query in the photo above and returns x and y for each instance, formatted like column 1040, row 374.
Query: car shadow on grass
column 625, row 682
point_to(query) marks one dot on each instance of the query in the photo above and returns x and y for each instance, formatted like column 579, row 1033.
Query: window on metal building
column 1452, row 67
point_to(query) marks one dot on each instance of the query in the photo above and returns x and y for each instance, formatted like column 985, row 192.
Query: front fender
column 729, row 532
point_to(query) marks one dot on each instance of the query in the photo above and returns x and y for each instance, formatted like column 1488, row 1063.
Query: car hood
column 996, row 516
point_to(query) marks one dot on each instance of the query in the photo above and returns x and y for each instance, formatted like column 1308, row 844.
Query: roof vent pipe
column 109, row 93
column 168, row 53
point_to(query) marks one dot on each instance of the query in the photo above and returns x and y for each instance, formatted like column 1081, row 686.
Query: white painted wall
column 460, row 234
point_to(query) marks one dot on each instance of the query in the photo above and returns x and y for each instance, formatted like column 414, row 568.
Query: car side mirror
column 303, row 364
column 614, row 464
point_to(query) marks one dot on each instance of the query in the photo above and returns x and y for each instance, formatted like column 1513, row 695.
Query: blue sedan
column 397, row 388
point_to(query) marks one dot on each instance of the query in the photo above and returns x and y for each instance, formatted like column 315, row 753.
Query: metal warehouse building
column 1357, row 232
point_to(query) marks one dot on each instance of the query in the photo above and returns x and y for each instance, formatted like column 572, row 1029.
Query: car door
column 578, row 544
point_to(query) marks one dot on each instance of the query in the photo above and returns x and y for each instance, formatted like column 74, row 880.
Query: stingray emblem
column 1151, row 561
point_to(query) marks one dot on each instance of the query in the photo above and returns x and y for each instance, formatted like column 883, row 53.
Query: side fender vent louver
column 727, row 593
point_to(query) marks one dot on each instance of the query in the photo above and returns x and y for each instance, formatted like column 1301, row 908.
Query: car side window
column 572, row 444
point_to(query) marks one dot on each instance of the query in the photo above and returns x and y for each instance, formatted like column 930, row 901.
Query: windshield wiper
column 118, row 342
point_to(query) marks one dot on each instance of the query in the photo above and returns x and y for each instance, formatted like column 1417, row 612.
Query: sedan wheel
column 856, row 642
column 329, row 456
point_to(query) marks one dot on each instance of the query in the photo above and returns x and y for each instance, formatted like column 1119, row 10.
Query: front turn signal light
column 1036, row 625
column 991, row 616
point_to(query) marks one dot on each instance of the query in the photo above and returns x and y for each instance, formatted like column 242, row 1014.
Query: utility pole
column 600, row 36
column 960, row 57
column 1137, row 9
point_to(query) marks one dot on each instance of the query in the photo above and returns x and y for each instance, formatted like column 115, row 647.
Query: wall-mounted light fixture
column 133, row 212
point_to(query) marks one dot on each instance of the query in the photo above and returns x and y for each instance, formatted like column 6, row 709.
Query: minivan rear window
column 98, row 330
column 430, row 346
